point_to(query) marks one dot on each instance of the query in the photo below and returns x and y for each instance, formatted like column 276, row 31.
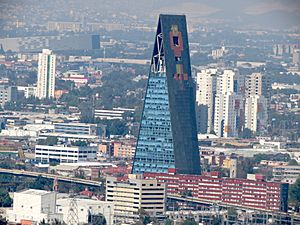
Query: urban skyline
column 110, row 117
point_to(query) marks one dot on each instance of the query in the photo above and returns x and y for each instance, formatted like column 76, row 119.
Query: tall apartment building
column 296, row 56
column 228, row 113
column 256, row 113
column 257, row 93
column 7, row 94
column 134, row 194
column 168, row 131
column 46, row 74
column 257, row 84
column 205, row 98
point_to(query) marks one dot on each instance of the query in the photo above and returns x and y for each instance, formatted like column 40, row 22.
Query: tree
column 293, row 162
column 86, row 112
column 245, row 166
column 43, row 222
column 169, row 222
column 187, row 193
column 41, row 183
column 294, row 193
column 5, row 199
column 247, row 133
column 118, row 127
column 97, row 219
column 3, row 221
column 144, row 217
column 79, row 143
column 189, row 221
column 232, row 214
column 51, row 141
column 57, row 222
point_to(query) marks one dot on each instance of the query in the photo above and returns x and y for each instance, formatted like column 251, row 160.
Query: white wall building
column 257, row 90
column 113, row 114
column 86, row 207
column 256, row 113
column 46, row 74
column 228, row 103
column 75, row 76
column 134, row 194
column 29, row 91
column 34, row 205
column 64, row 154
column 296, row 56
column 205, row 96
column 257, row 84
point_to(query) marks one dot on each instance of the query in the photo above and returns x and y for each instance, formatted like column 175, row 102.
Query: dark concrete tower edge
column 181, row 94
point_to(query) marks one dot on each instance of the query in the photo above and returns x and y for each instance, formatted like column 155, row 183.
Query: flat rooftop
column 34, row 192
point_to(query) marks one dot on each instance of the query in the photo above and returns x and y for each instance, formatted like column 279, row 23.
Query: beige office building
column 134, row 194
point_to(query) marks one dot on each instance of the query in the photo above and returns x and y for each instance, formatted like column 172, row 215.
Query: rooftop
column 34, row 192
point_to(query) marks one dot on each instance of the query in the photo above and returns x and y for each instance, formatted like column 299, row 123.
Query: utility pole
column 55, row 185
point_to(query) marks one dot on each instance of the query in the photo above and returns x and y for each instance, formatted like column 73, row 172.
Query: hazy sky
column 259, row 13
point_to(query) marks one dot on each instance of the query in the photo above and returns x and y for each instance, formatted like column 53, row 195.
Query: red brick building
column 254, row 194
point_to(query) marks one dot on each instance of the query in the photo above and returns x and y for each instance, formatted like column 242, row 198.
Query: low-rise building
column 80, row 128
column 112, row 114
column 124, row 148
column 64, row 154
column 135, row 194
column 34, row 206
column 286, row 174
column 75, row 76
column 28, row 91
column 86, row 209
column 235, row 192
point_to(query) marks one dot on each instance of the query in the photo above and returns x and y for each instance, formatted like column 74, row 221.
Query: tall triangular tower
column 167, row 138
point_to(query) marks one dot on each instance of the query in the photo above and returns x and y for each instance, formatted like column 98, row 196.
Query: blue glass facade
column 154, row 152
column 168, row 133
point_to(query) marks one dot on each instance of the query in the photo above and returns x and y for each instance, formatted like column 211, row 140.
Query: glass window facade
column 168, row 133
column 154, row 150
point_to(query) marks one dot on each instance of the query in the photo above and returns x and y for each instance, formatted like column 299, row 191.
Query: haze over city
column 149, row 112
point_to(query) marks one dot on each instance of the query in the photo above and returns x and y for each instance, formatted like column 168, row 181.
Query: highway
column 51, row 176
column 217, row 203
column 98, row 184
column 127, row 61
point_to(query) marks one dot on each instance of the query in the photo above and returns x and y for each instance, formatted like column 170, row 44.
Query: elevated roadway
column 51, row 176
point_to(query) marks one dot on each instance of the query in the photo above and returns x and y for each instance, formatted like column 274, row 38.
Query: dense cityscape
column 149, row 112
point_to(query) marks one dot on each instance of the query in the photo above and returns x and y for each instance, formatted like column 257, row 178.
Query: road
column 51, row 176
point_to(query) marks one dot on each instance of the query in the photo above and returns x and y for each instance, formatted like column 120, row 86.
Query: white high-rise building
column 228, row 104
column 256, row 105
column 46, row 75
column 256, row 114
column 296, row 56
column 257, row 84
column 205, row 95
